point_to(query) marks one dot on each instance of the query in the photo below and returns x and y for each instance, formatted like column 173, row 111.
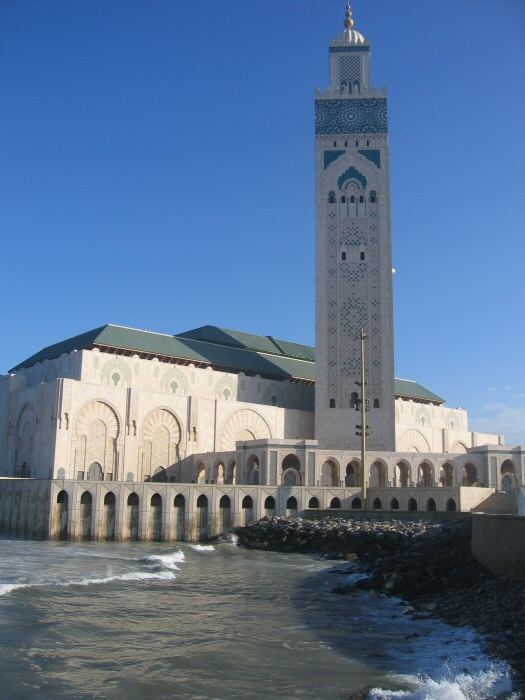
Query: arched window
column 352, row 199
column 343, row 199
column 394, row 505
column 332, row 403
column 343, row 256
column 376, row 403
column 451, row 505
column 115, row 378
column 335, row 503
column 356, row 504
column 357, row 143
column 368, row 143
column 431, row 505
column 361, row 199
column 291, row 503
column 377, row 505
column 202, row 501
column 331, row 198
column 412, row 504
column 174, row 386
column 335, row 144
column 373, row 197
column 269, row 503
column 362, row 256
column 354, row 400
column 95, row 472
column 313, row 503
column 226, row 394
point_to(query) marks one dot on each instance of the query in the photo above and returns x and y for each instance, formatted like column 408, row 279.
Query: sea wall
column 25, row 507
column 127, row 510
column 498, row 542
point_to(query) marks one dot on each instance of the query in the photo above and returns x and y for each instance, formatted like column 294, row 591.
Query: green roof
column 219, row 347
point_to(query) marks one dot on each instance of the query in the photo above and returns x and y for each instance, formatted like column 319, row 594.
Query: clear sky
column 157, row 171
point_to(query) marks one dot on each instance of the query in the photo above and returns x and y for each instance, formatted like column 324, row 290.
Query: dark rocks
column 429, row 565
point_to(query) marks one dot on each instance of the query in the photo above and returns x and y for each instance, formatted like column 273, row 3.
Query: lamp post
column 363, row 430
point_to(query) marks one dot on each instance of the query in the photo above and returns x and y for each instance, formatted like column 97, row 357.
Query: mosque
column 121, row 433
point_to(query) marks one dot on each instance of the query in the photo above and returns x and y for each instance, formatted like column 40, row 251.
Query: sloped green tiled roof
column 412, row 390
column 219, row 347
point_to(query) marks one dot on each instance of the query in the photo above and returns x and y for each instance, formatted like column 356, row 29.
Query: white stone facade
column 89, row 414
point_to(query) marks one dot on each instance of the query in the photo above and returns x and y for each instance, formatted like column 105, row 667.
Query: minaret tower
column 354, row 252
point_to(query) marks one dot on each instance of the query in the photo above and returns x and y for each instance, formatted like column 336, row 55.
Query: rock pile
column 429, row 565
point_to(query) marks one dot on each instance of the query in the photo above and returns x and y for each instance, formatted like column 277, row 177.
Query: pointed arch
column 233, row 428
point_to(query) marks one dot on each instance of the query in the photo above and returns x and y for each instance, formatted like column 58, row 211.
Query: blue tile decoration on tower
column 352, row 174
column 372, row 154
column 331, row 156
column 348, row 49
column 351, row 116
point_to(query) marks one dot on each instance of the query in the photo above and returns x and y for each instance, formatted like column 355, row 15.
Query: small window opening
column 362, row 256
column 174, row 386
column 116, row 378
column 352, row 199
column 274, row 400
column 346, row 144
column 368, row 143
column 343, row 256
column 354, row 400
column 332, row 403
column 357, row 143
column 361, row 199
column 335, row 144
column 331, row 198
column 343, row 200
column 373, row 197
column 376, row 403
column 226, row 394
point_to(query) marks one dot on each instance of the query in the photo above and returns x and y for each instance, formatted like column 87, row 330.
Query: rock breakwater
column 429, row 565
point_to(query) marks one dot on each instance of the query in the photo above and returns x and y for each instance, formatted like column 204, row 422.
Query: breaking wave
column 160, row 567
column 168, row 561
column 203, row 547
column 6, row 588
column 493, row 682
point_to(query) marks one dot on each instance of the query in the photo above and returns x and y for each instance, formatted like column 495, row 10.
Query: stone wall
column 498, row 542
column 99, row 510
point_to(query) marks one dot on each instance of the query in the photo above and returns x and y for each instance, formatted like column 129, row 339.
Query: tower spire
column 349, row 20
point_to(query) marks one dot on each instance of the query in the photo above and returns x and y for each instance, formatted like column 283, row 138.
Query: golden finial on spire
column 349, row 21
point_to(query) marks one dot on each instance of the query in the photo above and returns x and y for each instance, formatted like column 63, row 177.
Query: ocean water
column 143, row 620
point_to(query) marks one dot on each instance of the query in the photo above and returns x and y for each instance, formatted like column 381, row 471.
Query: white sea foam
column 480, row 685
column 163, row 575
column 8, row 587
column 130, row 576
column 167, row 561
column 203, row 547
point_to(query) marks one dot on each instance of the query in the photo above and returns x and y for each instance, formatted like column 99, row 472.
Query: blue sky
column 157, row 172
